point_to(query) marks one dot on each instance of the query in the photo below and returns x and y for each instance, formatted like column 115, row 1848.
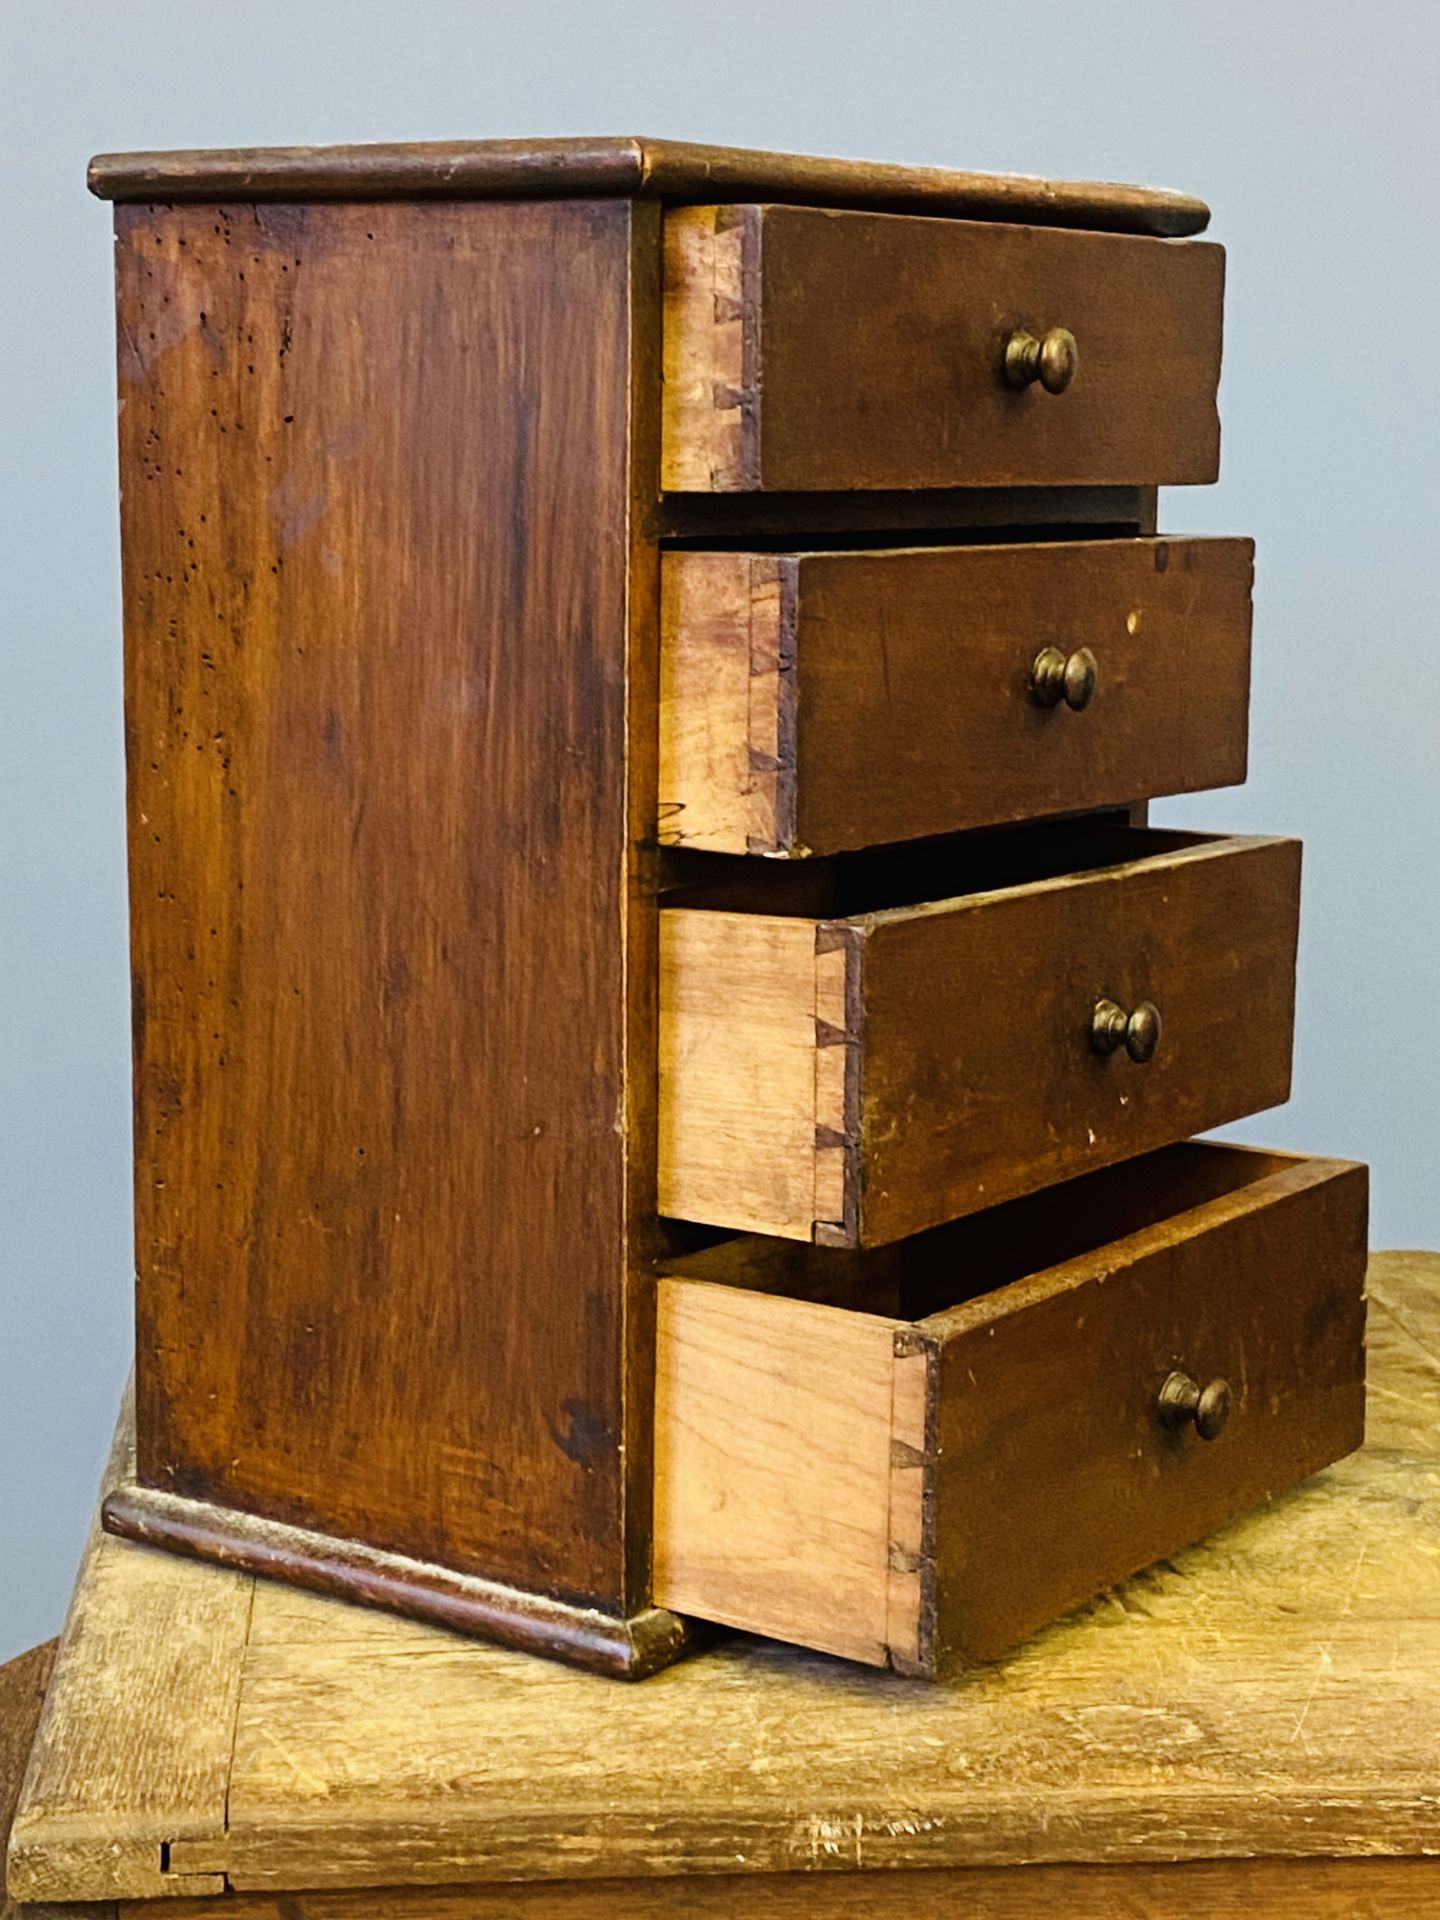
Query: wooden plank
column 1201, row 1890
column 897, row 686
column 23, row 1681
column 1053, row 1477
column 835, row 392
column 669, row 169
column 1303, row 1642
column 383, row 707
column 1402, row 1335
column 132, row 1754
column 773, row 1425
column 737, row 1077
column 1299, row 1648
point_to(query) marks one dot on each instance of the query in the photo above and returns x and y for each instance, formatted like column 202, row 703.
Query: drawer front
column 812, row 350
column 812, row 703
column 906, row 1492
column 855, row 1081
column 1054, row 1472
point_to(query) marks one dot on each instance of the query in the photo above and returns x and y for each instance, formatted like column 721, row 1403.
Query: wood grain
column 668, row 169
column 711, row 366
column 390, row 737
column 968, row 1021
column 816, row 702
column 23, row 1681
column 1053, row 1478
column 904, row 386
column 978, row 1079
column 739, row 1074
column 1201, row 1890
column 130, row 1760
column 1298, row 1649
column 773, row 1423
column 727, row 692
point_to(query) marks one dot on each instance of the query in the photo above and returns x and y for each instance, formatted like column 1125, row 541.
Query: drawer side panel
column 773, row 1467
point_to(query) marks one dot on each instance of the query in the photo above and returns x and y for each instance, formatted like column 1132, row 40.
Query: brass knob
column 1054, row 678
column 1053, row 360
column 1137, row 1032
column 1183, row 1402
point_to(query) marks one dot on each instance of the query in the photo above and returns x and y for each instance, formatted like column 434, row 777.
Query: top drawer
column 813, row 350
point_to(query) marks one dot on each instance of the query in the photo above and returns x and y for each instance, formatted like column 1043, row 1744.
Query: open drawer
column 819, row 701
column 927, row 1451
column 858, row 1048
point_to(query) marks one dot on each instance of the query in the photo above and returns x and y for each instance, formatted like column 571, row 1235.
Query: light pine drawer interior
column 855, row 1049
column 806, row 349
column 814, row 702
column 925, row 1452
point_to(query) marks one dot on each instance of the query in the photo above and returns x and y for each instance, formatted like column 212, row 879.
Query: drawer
column 805, row 350
column 923, row 1453
column 867, row 1045
column 815, row 702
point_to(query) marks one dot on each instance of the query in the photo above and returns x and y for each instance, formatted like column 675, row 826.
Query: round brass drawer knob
column 1056, row 676
column 1053, row 359
column 1184, row 1402
column 1138, row 1032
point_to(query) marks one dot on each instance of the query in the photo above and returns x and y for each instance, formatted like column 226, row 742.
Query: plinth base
column 626, row 1648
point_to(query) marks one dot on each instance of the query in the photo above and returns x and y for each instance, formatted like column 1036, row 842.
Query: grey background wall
column 1311, row 128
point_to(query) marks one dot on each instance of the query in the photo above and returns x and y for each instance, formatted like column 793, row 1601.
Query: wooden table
column 1251, row 1728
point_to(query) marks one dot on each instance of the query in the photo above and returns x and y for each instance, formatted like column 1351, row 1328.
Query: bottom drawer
column 924, row 1451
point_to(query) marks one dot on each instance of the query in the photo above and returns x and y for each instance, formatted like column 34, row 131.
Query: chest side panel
column 375, row 477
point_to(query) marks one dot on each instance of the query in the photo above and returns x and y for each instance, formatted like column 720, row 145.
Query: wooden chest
column 664, row 1044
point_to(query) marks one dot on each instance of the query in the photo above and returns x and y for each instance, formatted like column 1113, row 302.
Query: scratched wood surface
column 1272, row 1693
column 132, row 1756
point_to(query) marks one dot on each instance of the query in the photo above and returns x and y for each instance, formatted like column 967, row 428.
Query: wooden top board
column 675, row 170
column 1275, row 1691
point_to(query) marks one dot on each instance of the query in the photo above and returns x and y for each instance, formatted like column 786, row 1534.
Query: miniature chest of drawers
column 664, row 1046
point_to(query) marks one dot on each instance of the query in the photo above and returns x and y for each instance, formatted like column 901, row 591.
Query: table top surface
column 1274, row 1691
column 634, row 167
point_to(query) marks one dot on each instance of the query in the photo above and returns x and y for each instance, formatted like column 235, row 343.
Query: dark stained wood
column 824, row 701
column 666, row 169
column 627, row 1648
column 381, row 467
column 1053, row 1476
column 979, row 1079
column 23, row 1681
column 967, row 1018
column 1354, row 1889
column 817, row 350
